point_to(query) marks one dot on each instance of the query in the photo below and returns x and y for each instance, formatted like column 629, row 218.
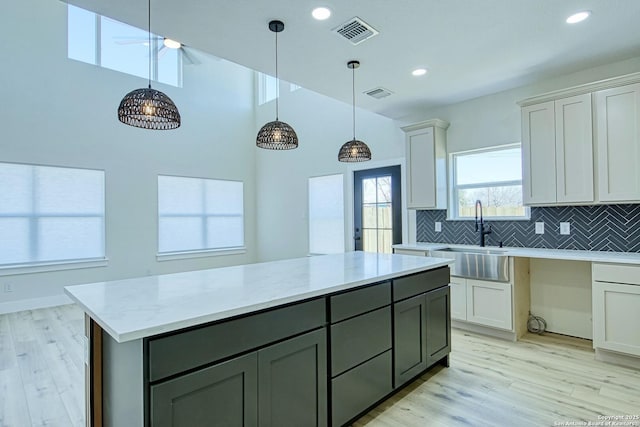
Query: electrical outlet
column 539, row 227
column 438, row 227
column 565, row 228
column 8, row 287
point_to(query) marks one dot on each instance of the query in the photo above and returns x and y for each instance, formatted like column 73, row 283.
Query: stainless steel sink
column 477, row 263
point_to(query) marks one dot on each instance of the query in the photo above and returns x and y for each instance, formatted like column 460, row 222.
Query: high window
column 493, row 176
column 50, row 214
column 267, row 88
column 196, row 214
column 326, row 214
column 108, row 43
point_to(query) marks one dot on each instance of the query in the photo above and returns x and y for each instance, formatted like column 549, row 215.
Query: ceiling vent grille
column 378, row 93
column 356, row 30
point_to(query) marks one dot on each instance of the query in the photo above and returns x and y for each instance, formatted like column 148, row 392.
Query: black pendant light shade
column 277, row 135
column 149, row 108
column 354, row 150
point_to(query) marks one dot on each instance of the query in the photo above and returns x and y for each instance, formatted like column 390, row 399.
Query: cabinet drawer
column 185, row 350
column 360, row 338
column 356, row 390
column 360, row 301
column 408, row 286
column 616, row 273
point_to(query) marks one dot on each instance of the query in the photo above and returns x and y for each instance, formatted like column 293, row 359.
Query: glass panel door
column 377, row 217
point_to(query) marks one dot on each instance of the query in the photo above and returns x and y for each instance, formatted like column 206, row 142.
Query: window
column 267, row 88
column 50, row 214
column 196, row 214
column 326, row 214
column 102, row 41
column 493, row 176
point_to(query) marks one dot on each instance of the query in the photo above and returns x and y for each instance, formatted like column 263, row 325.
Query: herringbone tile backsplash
column 593, row 228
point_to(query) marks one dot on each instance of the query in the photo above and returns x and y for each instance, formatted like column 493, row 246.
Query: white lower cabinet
column 616, row 308
column 482, row 302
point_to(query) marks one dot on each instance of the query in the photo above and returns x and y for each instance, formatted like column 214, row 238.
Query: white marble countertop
column 560, row 254
column 141, row 307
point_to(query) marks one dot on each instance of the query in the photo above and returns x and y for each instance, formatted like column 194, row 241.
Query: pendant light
column 277, row 135
column 354, row 150
column 149, row 108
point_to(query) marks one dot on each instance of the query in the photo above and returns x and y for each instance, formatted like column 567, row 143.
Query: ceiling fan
column 188, row 55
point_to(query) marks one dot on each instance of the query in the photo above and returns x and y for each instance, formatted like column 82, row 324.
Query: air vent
column 356, row 30
column 378, row 92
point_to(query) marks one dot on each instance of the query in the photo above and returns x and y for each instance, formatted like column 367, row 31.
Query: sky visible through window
column 112, row 44
column 493, row 166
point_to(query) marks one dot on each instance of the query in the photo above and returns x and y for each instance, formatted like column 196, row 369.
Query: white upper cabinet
column 618, row 142
column 426, row 165
column 557, row 152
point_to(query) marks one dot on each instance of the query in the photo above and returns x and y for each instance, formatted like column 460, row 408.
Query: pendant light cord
column 353, row 88
column 277, row 80
column 149, row 33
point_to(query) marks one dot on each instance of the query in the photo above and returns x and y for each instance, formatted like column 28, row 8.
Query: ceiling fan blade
column 188, row 56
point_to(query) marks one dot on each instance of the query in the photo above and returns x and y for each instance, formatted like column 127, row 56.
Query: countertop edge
column 228, row 314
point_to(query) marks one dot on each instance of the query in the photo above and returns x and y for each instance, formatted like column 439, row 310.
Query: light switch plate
column 438, row 227
column 539, row 227
column 565, row 228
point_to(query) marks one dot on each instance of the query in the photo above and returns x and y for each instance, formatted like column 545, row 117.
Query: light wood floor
column 537, row 381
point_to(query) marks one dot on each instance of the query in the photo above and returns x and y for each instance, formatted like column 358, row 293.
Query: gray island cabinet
column 307, row 342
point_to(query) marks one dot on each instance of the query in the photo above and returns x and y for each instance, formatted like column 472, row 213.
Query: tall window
column 196, row 214
column 326, row 214
column 493, row 176
column 108, row 43
column 50, row 214
column 267, row 88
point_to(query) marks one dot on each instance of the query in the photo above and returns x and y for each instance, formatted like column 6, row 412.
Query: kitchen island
column 308, row 341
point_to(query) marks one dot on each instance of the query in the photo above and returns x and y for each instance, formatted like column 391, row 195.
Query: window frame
column 62, row 263
column 155, row 45
column 452, row 211
column 201, row 252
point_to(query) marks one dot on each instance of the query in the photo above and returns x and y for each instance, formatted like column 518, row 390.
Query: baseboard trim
column 484, row 330
column 617, row 358
column 34, row 303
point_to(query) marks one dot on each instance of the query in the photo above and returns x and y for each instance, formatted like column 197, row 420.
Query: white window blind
column 326, row 214
column 196, row 214
column 50, row 214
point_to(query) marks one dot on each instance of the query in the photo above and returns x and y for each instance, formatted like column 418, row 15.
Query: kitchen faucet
column 483, row 231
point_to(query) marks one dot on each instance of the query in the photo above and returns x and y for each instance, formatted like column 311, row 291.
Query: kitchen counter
column 558, row 254
column 142, row 307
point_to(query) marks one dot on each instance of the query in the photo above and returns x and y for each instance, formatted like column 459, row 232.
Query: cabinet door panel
column 458, row 298
column 489, row 303
column 292, row 382
column 616, row 316
column 438, row 305
column 574, row 149
column 410, row 340
column 618, row 142
column 221, row 395
column 538, row 154
column 421, row 178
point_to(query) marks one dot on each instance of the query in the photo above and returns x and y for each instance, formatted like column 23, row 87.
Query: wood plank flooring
column 538, row 381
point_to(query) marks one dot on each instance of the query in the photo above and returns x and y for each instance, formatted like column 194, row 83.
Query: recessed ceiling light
column 578, row 17
column 321, row 13
column 172, row 44
column 419, row 72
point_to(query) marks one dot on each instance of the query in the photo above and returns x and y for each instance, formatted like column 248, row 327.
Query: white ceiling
column 471, row 47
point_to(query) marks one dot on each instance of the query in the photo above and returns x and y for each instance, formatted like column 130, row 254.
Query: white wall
column 495, row 119
column 323, row 125
column 58, row 111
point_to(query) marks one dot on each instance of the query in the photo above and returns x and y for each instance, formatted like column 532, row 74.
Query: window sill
column 171, row 256
column 52, row 266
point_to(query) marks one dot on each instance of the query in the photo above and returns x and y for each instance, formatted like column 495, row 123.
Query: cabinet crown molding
column 443, row 124
column 626, row 79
